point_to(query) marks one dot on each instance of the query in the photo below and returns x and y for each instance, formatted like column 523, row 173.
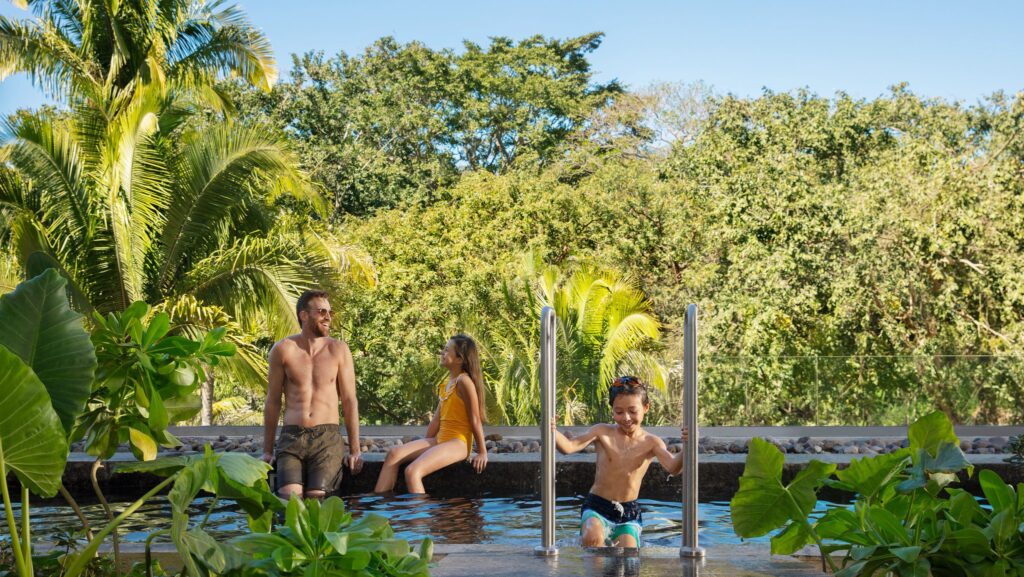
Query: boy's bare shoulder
column 603, row 429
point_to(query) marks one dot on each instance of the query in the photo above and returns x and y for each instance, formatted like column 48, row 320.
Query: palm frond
column 213, row 173
column 254, row 276
column 46, row 55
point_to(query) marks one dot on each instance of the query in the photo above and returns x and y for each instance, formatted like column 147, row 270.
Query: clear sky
column 954, row 50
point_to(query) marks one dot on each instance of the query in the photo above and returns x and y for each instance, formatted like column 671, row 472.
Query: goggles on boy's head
column 626, row 384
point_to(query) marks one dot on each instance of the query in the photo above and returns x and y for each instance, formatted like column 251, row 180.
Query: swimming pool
column 487, row 520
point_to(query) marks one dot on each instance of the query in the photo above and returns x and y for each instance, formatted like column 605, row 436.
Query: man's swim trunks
column 616, row 518
column 311, row 457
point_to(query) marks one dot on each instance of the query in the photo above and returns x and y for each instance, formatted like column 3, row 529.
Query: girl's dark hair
column 628, row 385
column 466, row 349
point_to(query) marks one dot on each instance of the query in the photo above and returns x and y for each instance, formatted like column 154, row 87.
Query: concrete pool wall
column 519, row 473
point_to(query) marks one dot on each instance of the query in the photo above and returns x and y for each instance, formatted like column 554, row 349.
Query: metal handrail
column 689, row 547
column 547, row 434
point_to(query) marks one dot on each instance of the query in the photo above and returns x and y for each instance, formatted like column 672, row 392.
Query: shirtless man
column 611, row 515
column 314, row 372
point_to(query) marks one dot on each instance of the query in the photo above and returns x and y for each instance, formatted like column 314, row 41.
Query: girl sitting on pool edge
column 610, row 514
column 457, row 421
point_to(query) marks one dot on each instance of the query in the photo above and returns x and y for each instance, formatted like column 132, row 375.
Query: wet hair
column 465, row 348
column 303, row 302
column 628, row 385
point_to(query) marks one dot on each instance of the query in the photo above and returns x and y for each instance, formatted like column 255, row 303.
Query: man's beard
column 320, row 331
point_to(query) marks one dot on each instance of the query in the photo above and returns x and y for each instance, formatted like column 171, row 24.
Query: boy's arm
column 671, row 463
column 567, row 446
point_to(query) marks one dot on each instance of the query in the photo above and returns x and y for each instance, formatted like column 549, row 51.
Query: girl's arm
column 567, row 446
column 467, row 390
column 435, row 422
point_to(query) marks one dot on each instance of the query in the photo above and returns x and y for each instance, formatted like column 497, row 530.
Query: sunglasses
column 323, row 312
column 622, row 384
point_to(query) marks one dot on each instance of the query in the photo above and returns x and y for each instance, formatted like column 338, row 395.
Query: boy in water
column 611, row 515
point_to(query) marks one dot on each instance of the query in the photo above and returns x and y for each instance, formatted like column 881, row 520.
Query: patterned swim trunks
column 617, row 518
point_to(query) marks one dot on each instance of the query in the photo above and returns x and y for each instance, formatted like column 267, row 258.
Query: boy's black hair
column 628, row 385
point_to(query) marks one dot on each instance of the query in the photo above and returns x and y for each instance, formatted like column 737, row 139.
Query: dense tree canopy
column 399, row 122
column 856, row 261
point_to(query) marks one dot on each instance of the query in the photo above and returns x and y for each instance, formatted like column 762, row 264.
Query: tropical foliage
column 907, row 518
column 145, row 381
column 397, row 123
column 46, row 367
column 855, row 260
column 111, row 54
column 315, row 539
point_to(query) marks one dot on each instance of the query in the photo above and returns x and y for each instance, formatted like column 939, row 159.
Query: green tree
column 110, row 53
column 183, row 216
column 399, row 122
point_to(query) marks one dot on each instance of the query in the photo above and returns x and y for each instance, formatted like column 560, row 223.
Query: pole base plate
column 692, row 552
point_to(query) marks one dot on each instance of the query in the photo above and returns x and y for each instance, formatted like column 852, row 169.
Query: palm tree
column 605, row 326
column 130, row 198
column 152, row 208
column 107, row 53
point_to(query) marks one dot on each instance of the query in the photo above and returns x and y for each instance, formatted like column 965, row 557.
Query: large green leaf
column 791, row 539
column 930, row 431
column 32, row 442
column 763, row 504
column 866, row 476
column 47, row 335
column 937, row 471
column 1000, row 495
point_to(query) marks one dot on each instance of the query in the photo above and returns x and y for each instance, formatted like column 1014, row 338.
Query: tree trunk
column 206, row 414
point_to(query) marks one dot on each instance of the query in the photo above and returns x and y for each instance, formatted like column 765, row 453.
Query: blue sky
column 954, row 50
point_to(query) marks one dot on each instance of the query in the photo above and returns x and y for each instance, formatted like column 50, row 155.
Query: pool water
column 495, row 520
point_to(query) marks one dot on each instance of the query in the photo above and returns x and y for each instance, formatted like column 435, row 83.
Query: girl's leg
column 397, row 456
column 437, row 457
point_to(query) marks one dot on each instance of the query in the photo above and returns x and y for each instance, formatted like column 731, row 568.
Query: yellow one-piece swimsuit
column 454, row 417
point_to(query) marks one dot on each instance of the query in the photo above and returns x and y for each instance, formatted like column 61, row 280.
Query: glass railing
column 859, row 390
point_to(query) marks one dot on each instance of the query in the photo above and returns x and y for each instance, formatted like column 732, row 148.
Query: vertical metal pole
column 547, row 435
column 689, row 546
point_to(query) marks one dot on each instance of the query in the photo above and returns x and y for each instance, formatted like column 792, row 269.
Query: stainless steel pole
column 689, row 546
column 547, row 411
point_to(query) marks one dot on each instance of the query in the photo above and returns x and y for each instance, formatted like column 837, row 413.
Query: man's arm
column 272, row 407
column 566, row 446
column 350, row 408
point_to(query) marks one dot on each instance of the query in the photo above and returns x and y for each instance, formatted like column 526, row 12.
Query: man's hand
column 268, row 457
column 354, row 462
column 685, row 432
column 480, row 462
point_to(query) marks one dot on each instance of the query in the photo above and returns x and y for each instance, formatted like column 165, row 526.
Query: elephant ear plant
column 46, row 367
column 906, row 519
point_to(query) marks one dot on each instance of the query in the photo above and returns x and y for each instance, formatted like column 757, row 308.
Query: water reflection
column 452, row 520
column 488, row 520
column 613, row 565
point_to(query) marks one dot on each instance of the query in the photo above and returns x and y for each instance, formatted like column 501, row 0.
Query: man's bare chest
column 314, row 372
